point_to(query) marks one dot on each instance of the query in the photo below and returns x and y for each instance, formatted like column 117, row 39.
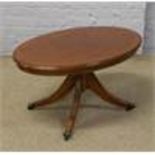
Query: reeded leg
column 74, row 110
column 95, row 86
column 65, row 88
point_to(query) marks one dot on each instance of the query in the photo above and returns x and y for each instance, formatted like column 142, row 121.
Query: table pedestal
column 80, row 82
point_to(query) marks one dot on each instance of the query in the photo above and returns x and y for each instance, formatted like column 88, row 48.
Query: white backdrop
column 149, row 46
column 21, row 21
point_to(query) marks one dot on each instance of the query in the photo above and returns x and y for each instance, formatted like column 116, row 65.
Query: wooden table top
column 76, row 50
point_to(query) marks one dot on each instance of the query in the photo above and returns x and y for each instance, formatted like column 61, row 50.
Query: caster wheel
column 31, row 106
column 130, row 107
column 67, row 136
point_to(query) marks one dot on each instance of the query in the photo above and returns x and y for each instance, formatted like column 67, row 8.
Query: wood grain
column 76, row 50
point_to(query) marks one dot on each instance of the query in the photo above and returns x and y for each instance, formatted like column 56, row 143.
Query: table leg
column 95, row 86
column 80, row 82
column 74, row 110
column 65, row 88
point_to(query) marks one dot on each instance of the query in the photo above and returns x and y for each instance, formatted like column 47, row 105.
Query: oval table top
column 76, row 50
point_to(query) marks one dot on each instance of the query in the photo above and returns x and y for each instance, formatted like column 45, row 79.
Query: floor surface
column 100, row 126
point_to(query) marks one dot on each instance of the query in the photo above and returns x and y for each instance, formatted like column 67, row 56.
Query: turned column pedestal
column 80, row 83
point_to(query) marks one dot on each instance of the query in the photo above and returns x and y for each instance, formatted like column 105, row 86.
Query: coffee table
column 77, row 53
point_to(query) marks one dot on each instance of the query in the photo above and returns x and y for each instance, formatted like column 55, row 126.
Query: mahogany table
column 77, row 53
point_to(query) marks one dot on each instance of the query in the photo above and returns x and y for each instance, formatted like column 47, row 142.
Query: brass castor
column 129, row 107
column 31, row 106
column 67, row 135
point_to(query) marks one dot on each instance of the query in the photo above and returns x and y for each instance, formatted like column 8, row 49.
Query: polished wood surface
column 76, row 50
